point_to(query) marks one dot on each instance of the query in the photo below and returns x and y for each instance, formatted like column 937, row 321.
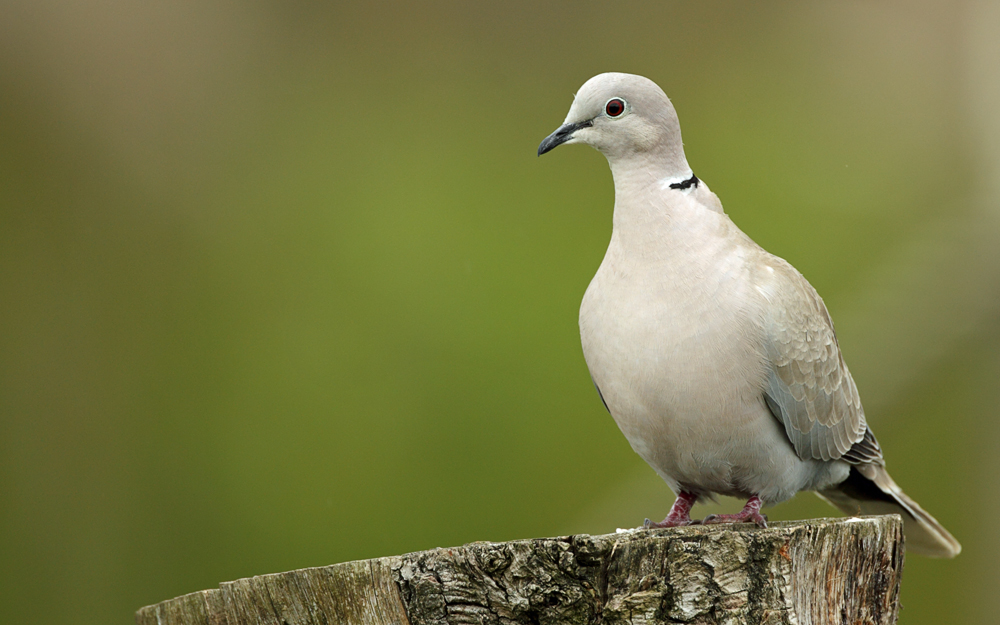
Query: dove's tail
column 870, row 490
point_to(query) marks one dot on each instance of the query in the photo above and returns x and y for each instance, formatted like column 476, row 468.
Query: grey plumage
column 718, row 361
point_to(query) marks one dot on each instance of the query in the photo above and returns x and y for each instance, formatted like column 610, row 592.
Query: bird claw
column 679, row 515
column 749, row 514
column 668, row 522
column 753, row 517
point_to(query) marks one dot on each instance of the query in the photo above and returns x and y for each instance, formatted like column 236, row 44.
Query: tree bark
column 809, row 572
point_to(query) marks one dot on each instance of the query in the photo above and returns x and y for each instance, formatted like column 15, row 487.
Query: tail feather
column 870, row 490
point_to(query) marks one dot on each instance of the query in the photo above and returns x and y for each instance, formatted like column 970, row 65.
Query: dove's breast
column 673, row 337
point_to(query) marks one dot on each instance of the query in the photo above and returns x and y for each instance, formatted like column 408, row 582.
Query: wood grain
column 810, row 573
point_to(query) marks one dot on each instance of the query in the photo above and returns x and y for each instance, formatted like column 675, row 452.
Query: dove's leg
column 680, row 513
column 750, row 514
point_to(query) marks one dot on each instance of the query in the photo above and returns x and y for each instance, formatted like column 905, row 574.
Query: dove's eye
column 614, row 107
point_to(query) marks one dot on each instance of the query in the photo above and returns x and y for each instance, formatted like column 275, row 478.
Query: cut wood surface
column 807, row 572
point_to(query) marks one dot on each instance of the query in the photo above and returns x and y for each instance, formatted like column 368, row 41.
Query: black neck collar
column 686, row 184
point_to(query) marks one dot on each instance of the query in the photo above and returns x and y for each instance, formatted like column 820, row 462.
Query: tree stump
column 806, row 572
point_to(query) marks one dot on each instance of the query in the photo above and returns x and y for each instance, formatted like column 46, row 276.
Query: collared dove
column 717, row 360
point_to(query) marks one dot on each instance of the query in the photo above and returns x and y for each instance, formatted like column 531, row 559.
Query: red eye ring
column 615, row 107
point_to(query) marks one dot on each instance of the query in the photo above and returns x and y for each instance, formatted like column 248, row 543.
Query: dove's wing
column 809, row 388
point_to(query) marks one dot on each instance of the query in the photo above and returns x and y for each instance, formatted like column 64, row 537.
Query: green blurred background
column 284, row 284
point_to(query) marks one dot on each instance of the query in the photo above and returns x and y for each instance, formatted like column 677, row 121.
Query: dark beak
column 562, row 135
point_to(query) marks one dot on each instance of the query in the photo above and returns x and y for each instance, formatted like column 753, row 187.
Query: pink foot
column 679, row 515
column 750, row 514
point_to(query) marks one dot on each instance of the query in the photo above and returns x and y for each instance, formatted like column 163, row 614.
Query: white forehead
column 594, row 93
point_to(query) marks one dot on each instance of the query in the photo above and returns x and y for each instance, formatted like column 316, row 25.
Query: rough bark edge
column 810, row 572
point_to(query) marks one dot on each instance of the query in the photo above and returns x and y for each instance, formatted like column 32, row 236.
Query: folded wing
column 809, row 388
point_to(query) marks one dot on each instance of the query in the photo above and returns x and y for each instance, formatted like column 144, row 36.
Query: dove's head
column 627, row 118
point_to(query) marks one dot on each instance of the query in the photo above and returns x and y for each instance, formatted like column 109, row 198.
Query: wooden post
column 807, row 572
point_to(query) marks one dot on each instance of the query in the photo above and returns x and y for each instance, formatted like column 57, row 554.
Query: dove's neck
column 638, row 171
column 633, row 178
column 646, row 206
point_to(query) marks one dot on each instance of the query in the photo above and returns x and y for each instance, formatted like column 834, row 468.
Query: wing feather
column 809, row 388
